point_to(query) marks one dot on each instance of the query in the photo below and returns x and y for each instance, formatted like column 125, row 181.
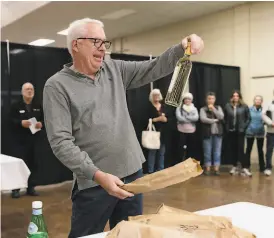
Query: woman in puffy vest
column 211, row 117
column 255, row 130
column 187, row 116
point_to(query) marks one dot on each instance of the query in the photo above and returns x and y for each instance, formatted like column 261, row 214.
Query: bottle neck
column 37, row 212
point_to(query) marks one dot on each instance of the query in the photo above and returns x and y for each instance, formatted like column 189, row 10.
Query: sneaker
column 233, row 171
column 246, row 172
column 267, row 172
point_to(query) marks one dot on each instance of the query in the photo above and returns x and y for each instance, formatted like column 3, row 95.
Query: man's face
column 28, row 91
column 89, row 50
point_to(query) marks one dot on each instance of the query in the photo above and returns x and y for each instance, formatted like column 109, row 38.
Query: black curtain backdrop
column 37, row 64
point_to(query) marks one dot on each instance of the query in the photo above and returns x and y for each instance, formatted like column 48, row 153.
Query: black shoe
column 15, row 194
column 32, row 192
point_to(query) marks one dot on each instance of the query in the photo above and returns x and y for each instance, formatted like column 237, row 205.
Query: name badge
column 22, row 111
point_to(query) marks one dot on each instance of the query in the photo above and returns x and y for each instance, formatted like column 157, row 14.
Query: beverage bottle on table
column 37, row 227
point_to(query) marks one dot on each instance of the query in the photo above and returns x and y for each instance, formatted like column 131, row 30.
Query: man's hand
column 38, row 125
column 111, row 184
column 197, row 44
column 273, row 124
column 26, row 123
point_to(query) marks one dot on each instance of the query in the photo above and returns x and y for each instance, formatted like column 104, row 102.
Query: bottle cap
column 37, row 204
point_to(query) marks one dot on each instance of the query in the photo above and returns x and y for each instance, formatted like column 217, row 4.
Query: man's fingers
column 119, row 182
column 122, row 194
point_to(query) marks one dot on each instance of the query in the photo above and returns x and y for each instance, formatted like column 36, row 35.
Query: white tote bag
column 151, row 137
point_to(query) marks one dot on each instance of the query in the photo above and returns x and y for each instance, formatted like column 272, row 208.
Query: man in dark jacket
column 24, row 141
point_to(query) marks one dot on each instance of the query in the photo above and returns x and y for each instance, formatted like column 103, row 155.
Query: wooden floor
column 196, row 194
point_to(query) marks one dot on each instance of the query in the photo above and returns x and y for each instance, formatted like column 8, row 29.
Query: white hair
column 155, row 92
column 78, row 29
column 26, row 84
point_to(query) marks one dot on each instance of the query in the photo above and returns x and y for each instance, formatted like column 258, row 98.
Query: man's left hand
column 197, row 44
column 38, row 125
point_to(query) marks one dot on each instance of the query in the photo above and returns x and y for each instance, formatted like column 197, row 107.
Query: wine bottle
column 37, row 226
column 179, row 82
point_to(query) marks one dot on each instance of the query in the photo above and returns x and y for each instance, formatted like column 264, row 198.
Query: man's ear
column 75, row 46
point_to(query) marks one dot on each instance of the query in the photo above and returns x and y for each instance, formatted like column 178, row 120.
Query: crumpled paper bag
column 175, row 223
column 176, row 174
column 238, row 232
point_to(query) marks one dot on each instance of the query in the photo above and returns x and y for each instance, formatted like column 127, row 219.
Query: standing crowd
column 239, row 121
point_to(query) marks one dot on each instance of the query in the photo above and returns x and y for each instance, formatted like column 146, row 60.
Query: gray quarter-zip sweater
column 87, row 121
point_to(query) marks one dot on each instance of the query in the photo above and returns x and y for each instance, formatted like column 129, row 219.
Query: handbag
column 151, row 137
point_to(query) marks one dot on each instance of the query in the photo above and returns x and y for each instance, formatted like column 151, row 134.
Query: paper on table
column 33, row 122
column 176, row 174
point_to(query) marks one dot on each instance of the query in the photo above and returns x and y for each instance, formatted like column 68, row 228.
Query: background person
column 187, row 116
column 237, row 119
column 211, row 117
column 159, row 119
column 24, row 140
column 268, row 117
column 255, row 130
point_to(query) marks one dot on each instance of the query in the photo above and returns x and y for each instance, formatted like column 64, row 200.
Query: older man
column 89, row 127
column 24, row 140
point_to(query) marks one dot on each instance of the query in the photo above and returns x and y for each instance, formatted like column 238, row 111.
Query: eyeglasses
column 97, row 42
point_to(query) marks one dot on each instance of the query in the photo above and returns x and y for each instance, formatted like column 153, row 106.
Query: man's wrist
column 98, row 175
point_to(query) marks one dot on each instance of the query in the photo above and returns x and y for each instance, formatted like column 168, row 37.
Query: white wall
column 242, row 36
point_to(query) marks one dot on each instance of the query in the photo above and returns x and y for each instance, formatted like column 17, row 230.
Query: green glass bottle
column 37, row 227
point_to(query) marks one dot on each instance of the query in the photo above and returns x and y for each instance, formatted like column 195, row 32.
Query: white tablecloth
column 14, row 173
column 255, row 218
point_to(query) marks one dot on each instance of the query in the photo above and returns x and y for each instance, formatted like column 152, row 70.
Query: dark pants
column 249, row 145
column 160, row 161
column 25, row 150
column 269, row 149
column 186, row 146
column 93, row 207
column 236, row 141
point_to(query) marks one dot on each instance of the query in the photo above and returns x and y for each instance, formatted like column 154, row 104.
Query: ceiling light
column 63, row 32
column 118, row 14
column 41, row 42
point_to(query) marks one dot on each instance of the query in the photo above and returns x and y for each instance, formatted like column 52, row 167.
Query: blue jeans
column 269, row 150
column 160, row 165
column 212, row 144
column 93, row 207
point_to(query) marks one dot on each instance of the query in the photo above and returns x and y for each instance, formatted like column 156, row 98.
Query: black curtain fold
column 37, row 64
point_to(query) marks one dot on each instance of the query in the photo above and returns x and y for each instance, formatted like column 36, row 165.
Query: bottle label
column 32, row 228
column 37, row 211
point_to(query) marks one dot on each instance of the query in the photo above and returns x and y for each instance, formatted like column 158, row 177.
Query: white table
column 14, row 173
column 254, row 218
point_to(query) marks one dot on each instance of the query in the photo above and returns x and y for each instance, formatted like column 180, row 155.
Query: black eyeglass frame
column 96, row 40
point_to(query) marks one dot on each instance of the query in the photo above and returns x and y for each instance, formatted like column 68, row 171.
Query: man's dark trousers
column 93, row 207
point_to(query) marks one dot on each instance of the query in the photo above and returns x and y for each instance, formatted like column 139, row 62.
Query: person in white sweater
column 268, row 118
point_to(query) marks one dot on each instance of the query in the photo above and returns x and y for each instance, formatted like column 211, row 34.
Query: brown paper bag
column 238, row 232
column 177, row 174
column 197, row 226
column 131, row 229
